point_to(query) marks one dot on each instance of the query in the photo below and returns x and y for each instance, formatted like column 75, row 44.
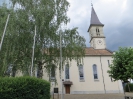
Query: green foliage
column 122, row 65
column 49, row 16
column 127, row 87
column 24, row 88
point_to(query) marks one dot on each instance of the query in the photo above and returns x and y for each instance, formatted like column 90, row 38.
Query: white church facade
column 91, row 77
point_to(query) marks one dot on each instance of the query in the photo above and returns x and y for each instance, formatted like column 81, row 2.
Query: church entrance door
column 67, row 87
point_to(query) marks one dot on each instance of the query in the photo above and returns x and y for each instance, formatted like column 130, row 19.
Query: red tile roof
column 92, row 51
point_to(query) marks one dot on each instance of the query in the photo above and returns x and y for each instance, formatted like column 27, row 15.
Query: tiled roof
column 91, row 51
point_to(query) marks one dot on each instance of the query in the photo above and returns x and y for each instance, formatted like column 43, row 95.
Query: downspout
column 102, row 75
column 118, row 86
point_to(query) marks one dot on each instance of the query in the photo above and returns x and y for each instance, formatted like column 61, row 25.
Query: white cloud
column 115, row 14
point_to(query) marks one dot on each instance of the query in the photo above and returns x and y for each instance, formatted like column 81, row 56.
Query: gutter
column 102, row 75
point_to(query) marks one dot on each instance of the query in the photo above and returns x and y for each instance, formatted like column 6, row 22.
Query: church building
column 91, row 77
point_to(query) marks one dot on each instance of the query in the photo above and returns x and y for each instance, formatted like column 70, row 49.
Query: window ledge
column 67, row 79
column 96, row 80
column 82, row 80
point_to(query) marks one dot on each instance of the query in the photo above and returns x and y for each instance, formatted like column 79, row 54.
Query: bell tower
column 97, row 38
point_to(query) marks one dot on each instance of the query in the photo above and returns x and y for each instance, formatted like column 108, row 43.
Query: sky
column 116, row 15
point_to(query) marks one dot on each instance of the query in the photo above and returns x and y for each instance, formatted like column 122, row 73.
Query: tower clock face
column 99, row 42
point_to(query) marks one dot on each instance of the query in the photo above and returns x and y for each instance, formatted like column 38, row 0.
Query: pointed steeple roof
column 94, row 18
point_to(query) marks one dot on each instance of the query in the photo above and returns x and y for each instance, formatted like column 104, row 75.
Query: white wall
column 89, row 85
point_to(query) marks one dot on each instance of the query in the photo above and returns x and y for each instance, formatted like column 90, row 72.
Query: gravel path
column 94, row 96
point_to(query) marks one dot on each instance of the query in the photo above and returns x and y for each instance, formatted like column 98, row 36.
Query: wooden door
column 67, row 87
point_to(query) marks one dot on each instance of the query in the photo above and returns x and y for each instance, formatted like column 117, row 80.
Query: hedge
column 24, row 88
column 130, row 86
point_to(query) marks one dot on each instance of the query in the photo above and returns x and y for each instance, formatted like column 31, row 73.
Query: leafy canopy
column 50, row 17
column 122, row 65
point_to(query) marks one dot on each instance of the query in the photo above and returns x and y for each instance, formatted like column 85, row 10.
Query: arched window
column 97, row 31
column 81, row 73
column 67, row 76
column 95, row 74
column 9, row 70
column 52, row 71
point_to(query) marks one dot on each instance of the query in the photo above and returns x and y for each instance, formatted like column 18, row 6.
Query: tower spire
column 94, row 18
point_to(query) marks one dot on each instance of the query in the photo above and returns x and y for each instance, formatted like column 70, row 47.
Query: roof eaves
column 94, row 25
column 98, row 55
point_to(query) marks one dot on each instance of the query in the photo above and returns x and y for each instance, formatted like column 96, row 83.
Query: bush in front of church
column 24, row 88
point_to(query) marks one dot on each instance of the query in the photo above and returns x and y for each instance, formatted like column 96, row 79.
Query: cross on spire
column 91, row 3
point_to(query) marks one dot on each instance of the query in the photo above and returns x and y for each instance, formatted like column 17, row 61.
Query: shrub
column 24, row 88
column 130, row 86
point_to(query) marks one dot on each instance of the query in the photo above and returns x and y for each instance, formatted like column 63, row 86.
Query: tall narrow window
column 97, row 32
column 52, row 72
column 109, row 65
column 81, row 73
column 67, row 76
column 9, row 70
column 95, row 71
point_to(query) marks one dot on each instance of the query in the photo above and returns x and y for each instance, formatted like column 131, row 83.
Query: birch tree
column 50, row 17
